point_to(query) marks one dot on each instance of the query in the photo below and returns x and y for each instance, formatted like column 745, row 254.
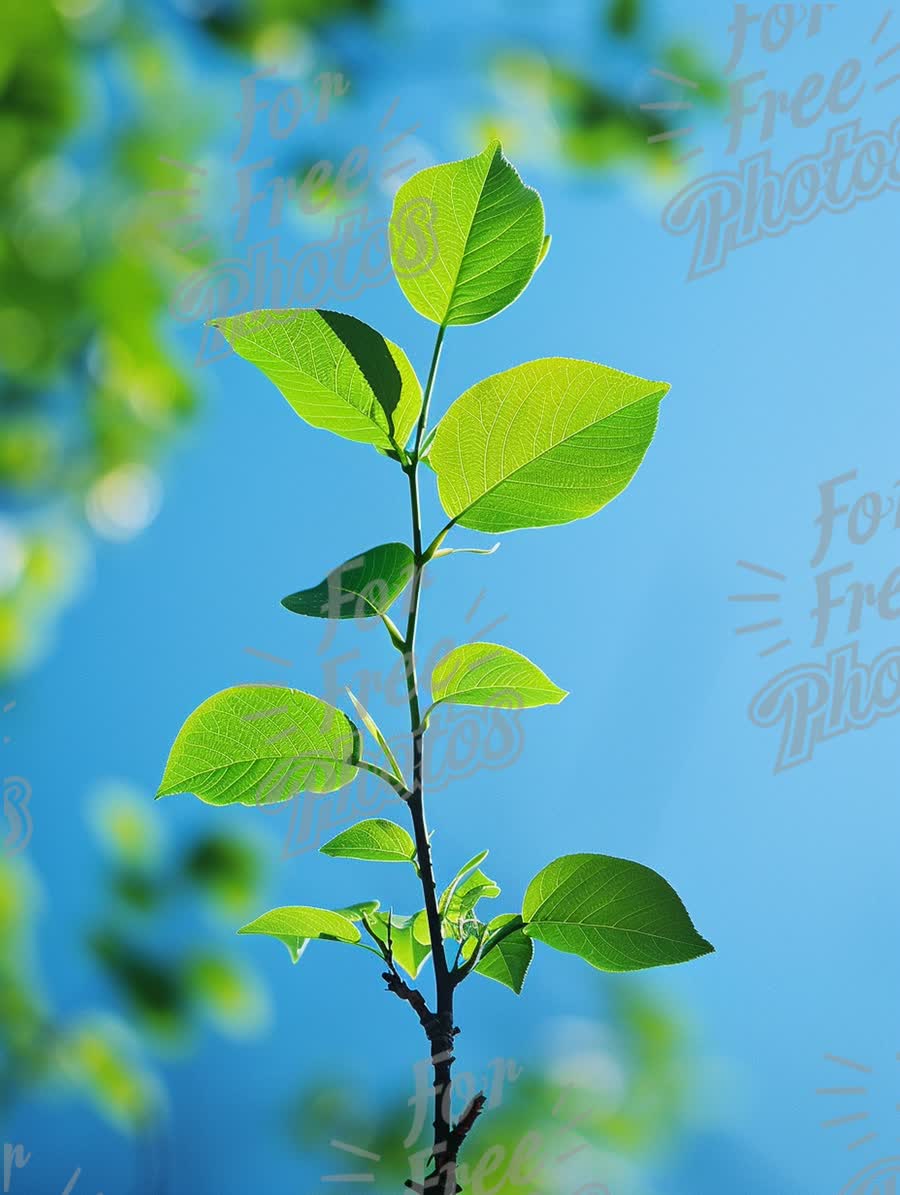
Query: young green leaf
column 508, row 961
column 377, row 839
column 459, row 905
column 543, row 443
column 458, row 900
column 408, row 952
column 296, row 925
column 487, row 674
column 375, row 731
column 260, row 744
column 474, row 862
column 360, row 910
column 616, row 915
column 470, row 551
column 420, row 928
column 335, row 371
column 365, row 586
column 488, row 229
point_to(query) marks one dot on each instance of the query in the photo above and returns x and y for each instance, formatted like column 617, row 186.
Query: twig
column 465, row 1122
column 412, row 996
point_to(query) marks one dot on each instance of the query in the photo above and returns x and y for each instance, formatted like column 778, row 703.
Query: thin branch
column 466, row 1121
column 439, row 1027
column 429, row 387
column 412, row 996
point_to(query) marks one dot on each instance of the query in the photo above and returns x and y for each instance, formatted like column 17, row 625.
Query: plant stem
column 441, row 1030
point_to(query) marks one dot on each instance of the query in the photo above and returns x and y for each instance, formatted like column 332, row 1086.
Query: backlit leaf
column 617, row 915
column 509, row 960
column 335, row 371
column 543, row 443
column 487, row 674
column 488, row 233
column 297, row 925
column 459, row 907
column 375, row 839
column 260, row 744
column 408, row 952
column 359, row 910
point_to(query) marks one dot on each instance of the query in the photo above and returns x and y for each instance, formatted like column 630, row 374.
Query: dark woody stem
column 438, row 1024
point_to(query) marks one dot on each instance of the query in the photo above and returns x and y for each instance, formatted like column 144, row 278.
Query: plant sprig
column 543, row 443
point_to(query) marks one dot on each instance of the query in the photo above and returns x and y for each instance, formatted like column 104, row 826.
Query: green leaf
column 509, row 960
column 473, row 551
column 408, row 952
column 260, row 744
column 335, row 371
column 543, row 443
column 375, row 731
column 623, row 17
column 545, row 249
column 296, row 925
column 617, row 915
column 377, row 839
column 365, row 586
column 459, row 907
column 360, row 910
column 487, row 228
column 458, row 900
column 474, row 862
column 487, row 674
column 420, row 928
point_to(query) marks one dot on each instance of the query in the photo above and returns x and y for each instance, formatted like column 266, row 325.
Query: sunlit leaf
column 375, row 731
column 335, row 371
column 543, row 443
column 488, row 231
column 616, row 915
column 408, row 952
column 509, row 960
column 297, row 925
column 376, row 839
column 259, row 744
column 459, row 905
column 490, row 675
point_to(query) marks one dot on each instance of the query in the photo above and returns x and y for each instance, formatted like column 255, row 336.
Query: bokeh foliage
column 606, row 1099
column 92, row 95
column 157, row 995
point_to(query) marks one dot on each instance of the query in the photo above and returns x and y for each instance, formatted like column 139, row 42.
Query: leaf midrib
column 387, row 431
column 452, row 292
column 295, row 755
column 503, row 480
column 646, row 933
